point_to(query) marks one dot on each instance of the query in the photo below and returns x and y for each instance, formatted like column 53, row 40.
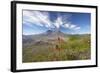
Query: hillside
column 56, row 46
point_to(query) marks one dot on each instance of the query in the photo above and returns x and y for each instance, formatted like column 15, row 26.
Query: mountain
column 49, row 34
column 52, row 33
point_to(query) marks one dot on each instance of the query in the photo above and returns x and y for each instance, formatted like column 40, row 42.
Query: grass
column 75, row 48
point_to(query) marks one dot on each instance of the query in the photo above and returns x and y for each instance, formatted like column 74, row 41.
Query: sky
column 36, row 22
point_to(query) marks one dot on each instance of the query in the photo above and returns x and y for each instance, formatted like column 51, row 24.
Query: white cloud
column 37, row 17
column 77, row 28
column 58, row 22
column 67, row 25
column 29, row 17
column 43, row 19
column 73, row 26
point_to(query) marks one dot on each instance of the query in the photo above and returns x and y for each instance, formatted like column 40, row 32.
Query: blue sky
column 36, row 22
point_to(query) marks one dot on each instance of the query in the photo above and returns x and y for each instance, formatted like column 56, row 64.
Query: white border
column 37, row 65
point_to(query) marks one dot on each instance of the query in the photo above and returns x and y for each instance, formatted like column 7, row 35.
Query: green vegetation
column 73, row 47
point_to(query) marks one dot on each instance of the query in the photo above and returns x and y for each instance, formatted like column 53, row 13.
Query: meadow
column 72, row 47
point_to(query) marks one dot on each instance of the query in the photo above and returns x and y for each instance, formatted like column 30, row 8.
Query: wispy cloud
column 58, row 22
column 43, row 19
column 71, row 26
column 37, row 17
column 77, row 28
